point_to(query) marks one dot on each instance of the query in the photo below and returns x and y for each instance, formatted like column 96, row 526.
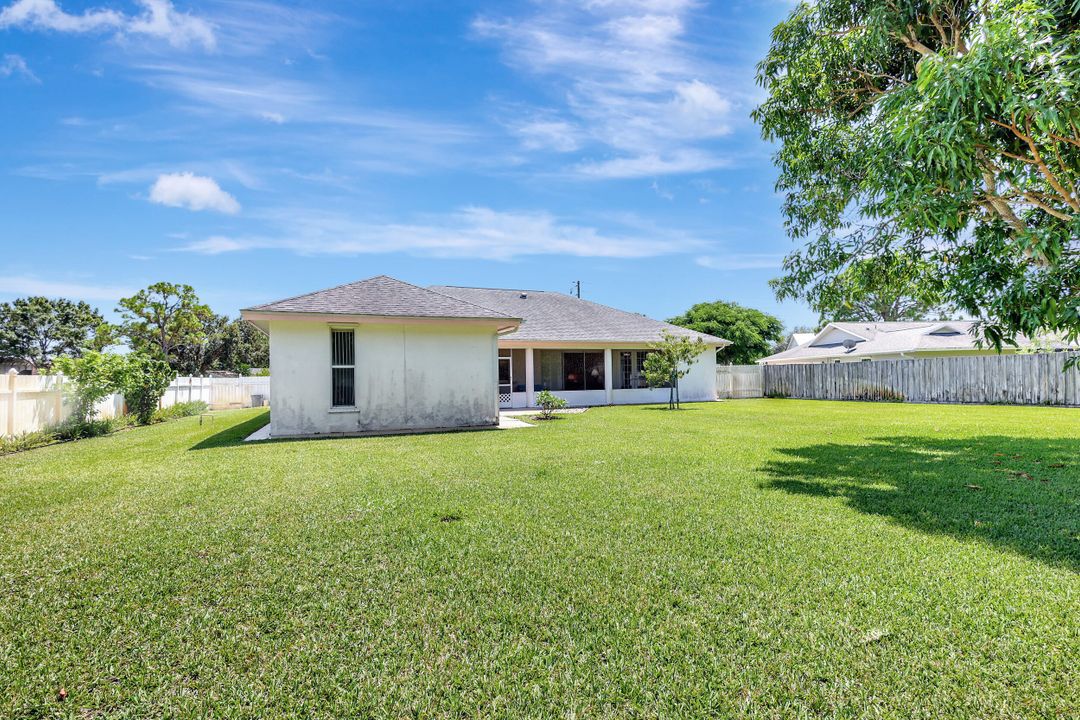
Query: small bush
column 180, row 410
column 145, row 379
column 549, row 403
column 26, row 441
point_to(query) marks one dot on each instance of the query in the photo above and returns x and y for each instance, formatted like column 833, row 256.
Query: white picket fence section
column 737, row 382
column 29, row 403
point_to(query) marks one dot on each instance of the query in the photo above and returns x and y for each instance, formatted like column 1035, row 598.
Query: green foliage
column 885, row 288
column 549, row 402
column 26, row 441
column 145, row 379
column 96, row 376
column 947, row 132
column 238, row 347
column 140, row 378
column 180, row 410
column 38, row 329
column 669, row 360
column 752, row 333
column 163, row 320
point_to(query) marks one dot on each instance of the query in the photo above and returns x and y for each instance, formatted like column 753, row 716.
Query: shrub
column 26, row 441
column 144, row 380
column 549, row 403
column 96, row 376
column 180, row 410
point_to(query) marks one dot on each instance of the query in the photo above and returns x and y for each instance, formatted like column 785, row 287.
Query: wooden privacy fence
column 1036, row 379
column 739, row 382
column 29, row 403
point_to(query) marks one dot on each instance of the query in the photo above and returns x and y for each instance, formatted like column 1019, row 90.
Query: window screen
column 342, row 368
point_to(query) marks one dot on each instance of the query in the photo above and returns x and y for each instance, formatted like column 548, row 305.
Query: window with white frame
column 342, row 368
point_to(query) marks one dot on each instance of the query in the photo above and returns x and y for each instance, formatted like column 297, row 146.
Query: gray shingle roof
column 555, row 317
column 382, row 296
column 891, row 338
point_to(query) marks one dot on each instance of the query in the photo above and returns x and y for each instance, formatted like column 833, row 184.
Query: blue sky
column 257, row 150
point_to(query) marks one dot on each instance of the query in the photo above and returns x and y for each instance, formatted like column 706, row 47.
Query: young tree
column 144, row 381
column 96, row 376
column 669, row 361
column 38, row 329
column 752, row 333
column 164, row 318
column 944, row 130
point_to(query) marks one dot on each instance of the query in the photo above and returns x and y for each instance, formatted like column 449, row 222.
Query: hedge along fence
column 29, row 403
column 1024, row 379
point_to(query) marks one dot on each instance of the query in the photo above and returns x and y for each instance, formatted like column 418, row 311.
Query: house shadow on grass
column 1019, row 494
column 234, row 434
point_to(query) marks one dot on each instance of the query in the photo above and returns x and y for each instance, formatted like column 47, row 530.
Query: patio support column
column 607, row 376
column 530, row 382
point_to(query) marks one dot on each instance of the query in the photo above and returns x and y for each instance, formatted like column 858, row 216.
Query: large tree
column 163, row 319
column 884, row 288
column 39, row 329
column 947, row 131
column 753, row 334
column 224, row 344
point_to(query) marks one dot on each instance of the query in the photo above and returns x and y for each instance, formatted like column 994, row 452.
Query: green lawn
column 758, row 558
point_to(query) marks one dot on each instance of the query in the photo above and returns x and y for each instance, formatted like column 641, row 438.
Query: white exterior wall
column 408, row 377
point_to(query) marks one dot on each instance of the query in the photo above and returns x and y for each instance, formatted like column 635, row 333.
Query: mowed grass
column 759, row 558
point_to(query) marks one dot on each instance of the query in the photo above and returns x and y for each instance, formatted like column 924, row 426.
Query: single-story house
column 381, row 355
column 868, row 341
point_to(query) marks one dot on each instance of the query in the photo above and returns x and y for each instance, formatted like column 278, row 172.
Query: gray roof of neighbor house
column 555, row 317
column 381, row 296
column 886, row 338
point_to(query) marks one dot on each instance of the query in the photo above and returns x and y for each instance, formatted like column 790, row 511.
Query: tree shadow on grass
column 234, row 434
column 1019, row 494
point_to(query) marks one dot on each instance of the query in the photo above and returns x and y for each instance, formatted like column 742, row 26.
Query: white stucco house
column 381, row 355
column 869, row 341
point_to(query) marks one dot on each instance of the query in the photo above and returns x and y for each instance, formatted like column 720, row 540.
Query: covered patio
column 583, row 375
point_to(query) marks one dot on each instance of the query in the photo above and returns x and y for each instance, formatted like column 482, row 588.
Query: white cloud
column 471, row 232
column 741, row 261
column 683, row 161
column 631, row 80
column 548, row 134
column 13, row 285
column 193, row 192
column 15, row 64
column 158, row 19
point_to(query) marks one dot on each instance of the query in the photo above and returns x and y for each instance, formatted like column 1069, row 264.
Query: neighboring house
column 383, row 355
column 20, row 366
column 796, row 339
column 866, row 341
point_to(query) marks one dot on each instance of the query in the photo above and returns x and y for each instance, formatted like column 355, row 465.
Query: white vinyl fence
column 1035, row 379
column 239, row 392
column 736, row 382
column 29, row 403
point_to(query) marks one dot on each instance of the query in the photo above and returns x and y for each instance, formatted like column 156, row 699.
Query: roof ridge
column 477, row 287
column 464, row 302
column 316, row 292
